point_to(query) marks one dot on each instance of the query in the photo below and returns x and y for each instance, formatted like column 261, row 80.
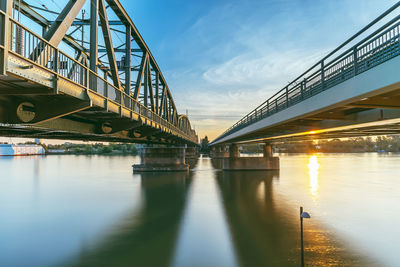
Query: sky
column 223, row 58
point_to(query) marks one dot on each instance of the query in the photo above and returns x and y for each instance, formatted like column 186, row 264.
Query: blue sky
column 223, row 58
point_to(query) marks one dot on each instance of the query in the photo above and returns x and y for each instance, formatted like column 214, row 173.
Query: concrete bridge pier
column 191, row 152
column 267, row 151
column 192, row 156
column 235, row 162
column 161, row 159
column 219, row 152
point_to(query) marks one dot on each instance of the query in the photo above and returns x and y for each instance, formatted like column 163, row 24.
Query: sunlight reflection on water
column 313, row 167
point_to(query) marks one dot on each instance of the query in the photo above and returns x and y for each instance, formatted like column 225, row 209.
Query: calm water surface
column 92, row 211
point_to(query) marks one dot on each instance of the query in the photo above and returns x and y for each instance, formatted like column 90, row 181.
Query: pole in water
column 301, row 237
column 303, row 214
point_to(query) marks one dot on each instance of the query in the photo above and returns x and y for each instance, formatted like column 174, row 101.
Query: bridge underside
column 61, row 116
column 379, row 115
column 27, row 131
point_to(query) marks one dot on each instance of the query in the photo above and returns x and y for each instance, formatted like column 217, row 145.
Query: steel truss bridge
column 353, row 91
column 65, row 75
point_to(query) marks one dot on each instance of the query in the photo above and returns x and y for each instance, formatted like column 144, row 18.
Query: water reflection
column 262, row 235
column 265, row 229
column 98, row 214
column 146, row 237
column 313, row 167
column 216, row 163
column 204, row 238
column 192, row 162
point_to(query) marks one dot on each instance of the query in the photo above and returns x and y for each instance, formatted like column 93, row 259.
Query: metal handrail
column 326, row 76
column 40, row 45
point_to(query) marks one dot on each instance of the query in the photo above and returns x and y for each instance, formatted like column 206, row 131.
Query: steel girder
column 144, row 83
column 109, row 44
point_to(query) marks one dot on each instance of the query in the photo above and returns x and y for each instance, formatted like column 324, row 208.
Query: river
column 65, row 210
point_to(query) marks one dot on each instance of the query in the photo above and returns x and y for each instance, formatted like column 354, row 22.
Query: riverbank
column 378, row 144
column 92, row 149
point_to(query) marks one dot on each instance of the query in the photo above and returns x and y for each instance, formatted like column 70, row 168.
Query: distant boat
column 21, row 150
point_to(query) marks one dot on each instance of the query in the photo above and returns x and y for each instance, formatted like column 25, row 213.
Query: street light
column 305, row 215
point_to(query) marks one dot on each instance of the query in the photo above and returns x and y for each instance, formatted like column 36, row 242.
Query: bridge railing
column 38, row 51
column 378, row 47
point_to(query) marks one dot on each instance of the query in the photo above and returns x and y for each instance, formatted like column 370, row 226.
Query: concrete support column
column 192, row 152
column 233, row 151
column 192, row 156
column 234, row 162
column 219, row 152
column 267, row 150
column 161, row 159
column 212, row 152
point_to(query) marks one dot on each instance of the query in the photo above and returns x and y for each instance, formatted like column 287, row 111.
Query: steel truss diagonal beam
column 109, row 45
column 150, row 87
column 128, row 51
column 94, row 26
column 44, row 23
column 57, row 30
column 78, row 58
column 139, row 79
column 157, row 92
column 161, row 112
column 61, row 25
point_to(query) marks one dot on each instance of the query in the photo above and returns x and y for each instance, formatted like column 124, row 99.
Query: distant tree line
column 204, row 148
column 348, row 145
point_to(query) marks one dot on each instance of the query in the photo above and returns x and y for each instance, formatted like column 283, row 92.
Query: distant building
column 21, row 150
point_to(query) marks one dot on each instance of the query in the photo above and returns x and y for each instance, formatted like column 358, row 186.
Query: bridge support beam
column 236, row 163
column 161, row 159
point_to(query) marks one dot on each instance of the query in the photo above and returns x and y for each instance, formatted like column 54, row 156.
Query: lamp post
column 305, row 215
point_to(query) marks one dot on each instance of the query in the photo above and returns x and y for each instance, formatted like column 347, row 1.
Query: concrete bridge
column 353, row 91
column 87, row 78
